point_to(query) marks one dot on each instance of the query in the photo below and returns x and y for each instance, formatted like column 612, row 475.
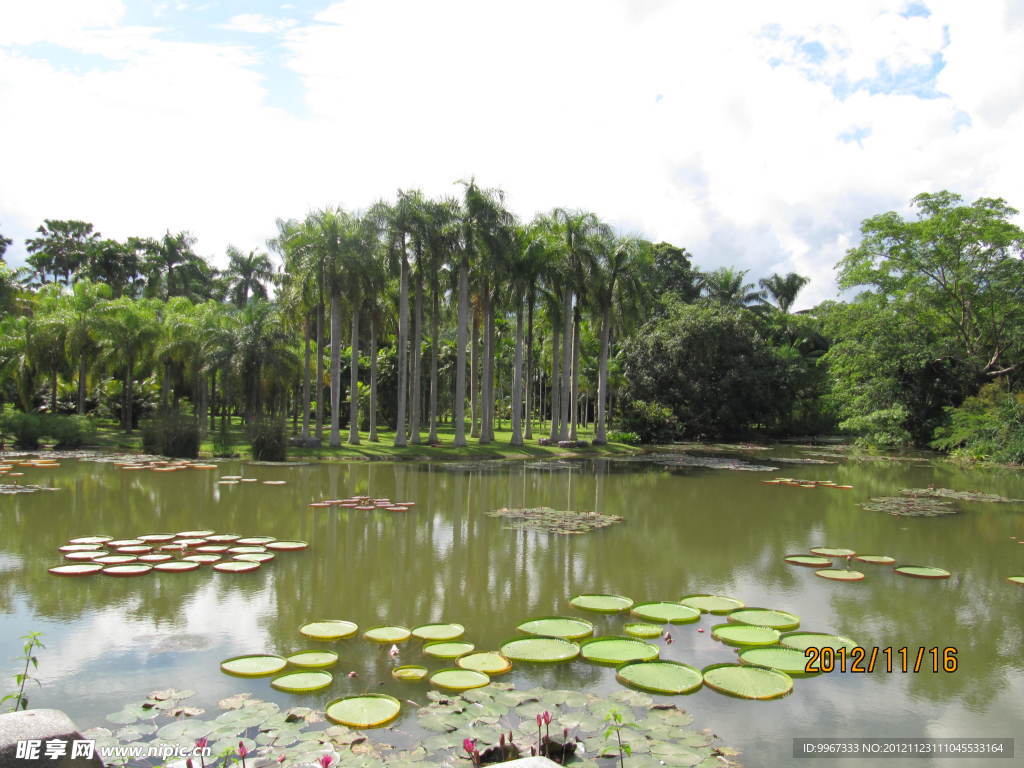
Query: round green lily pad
column 137, row 549
column 128, row 569
column 235, row 566
column 115, row 559
column 387, row 634
column 253, row 557
column 222, row 538
column 313, row 659
column 540, row 649
column 253, row 550
column 124, row 542
column 922, row 571
column 202, row 558
column 157, row 537
column 255, row 540
column 833, row 551
column 409, row 672
column 745, row 634
column 302, row 682
column 156, row 557
column 439, row 631
column 674, row 613
column 195, row 534
column 448, row 649
column 602, row 603
column 286, row 546
column 640, row 629
column 1016, row 579
column 557, row 626
column 176, row 565
column 329, row 629
column 876, row 559
column 804, row 640
column 371, row 710
column 80, row 556
column 76, row 569
column 788, row 660
column 617, row 650
column 213, row 549
column 455, row 679
column 747, row 682
column 809, row 561
column 765, row 617
column 839, row 574
column 91, row 540
column 80, row 547
column 253, row 665
column 489, row 662
column 189, row 542
column 716, row 604
column 666, row 677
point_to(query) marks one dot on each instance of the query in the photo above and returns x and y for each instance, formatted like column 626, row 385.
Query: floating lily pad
column 124, row 542
column 76, row 569
column 80, row 548
column 666, row 677
column 1015, row 579
column 540, row 649
column 804, row 640
column 91, row 540
column 716, row 604
column 302, row 682
column 555, row 520
column 202, row 558
column 255, row 540
column 222, row 538
column 640, row 629
column 674, row 613
column 387, row 634
column 136, row 549
column 839, row 574
column 922, row 571
column 115, row 559
column 833, row 551
column 876, row 559
column 371, row 710
column 789, row 660
column 557, row 626
column 313, row 659
column 158, row 537
column 275, row 482
column 745, row 634
column 156, row 557
column 329, row 629
column 213, row 548
column 809, row 561
column 765, row 617
column 602, row 603
column 488, row 662
column 447, row 649
column 253, row 665
column 176, row 565
column 911, row 506
column 617, row 650
column 747, row 682
column 409, row 672
column 195, row 534
column 286, row 546
column 439, row 631
column 189, row 542
column 253, row 557
column 949, row 493
column 246, row 550
column 128, row 569
column 235, row 566
column 455, row 679
column 84, row 556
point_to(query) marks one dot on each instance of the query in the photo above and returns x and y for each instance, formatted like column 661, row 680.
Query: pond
column 686, row 530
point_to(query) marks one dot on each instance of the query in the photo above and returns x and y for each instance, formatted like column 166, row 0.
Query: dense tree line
column 419, row 312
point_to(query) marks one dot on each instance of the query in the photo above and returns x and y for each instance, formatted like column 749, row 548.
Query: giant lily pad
column 617, row 650
column 115, row 559
column 448, row 649
column 911, row 506
column 125, row 542
column 640, row 629
column 246, row 550
column 255, row 540
column 876, row 559
column 1015, row 579
column 809, row 561
column 765, row 617
column 602, row 603
column 557, row 626
column 223, row 538
column 235, row 566
column 76, row 569
column 156, row 557
column 439, row 631
column 674, row 613
column 157, row 538
column 540, row 649
column 666, row 677
column 80, row 556
column 329, row 629
column 202, row 558
column 387, row 634
column 745, row 634
column 80, row 547
column 455, row 679
column 253, row 665
column 833, row 551
column 488, row 662
column 253, row 557
column 839, row 574
column 176, row 565
column 371, row 710
column 555, row 520
column 195, row 534
column 302, row 682
column 313, row 659
column 804, row 640
column 747, row 682
column 788, row 660
column 409, row 672
column 91, row 540
column 716, row 604
column 127, row 569
column 286, row 546
column 922, row 571
column 949, row 493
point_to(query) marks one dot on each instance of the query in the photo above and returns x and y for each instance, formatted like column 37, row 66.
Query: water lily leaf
column 557, row 626
column 409, row 672
column 747, row 682
column 602, row 603
column 745, row 634
column 765, row 617
column 617, row 650
column 922, row 571
column 641, row 629
column 488, row 662
column 789, row 660
column 174, row 566
column 455, row 679
column 674, row 613
column 876, row 559
column 329, row 629
column 235, row 702
column 235, row 566
column 302, row 682
column 439, row 631
column 76, row 569
column 371, row 710
column 253, row 665
column 387, row 634
column 1015, row 579
column 123, row 717
column 804, row 640
column 832, row 551
column 839, row 574
column 809, row 561
column 448, row 649
column 715, row 604
column 313, row 659
column 666, row 677
column 540, row 649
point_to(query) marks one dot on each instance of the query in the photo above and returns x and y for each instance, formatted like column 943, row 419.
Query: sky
column 756, row 134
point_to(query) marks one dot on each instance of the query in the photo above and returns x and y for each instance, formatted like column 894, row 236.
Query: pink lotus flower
column 469, row 745
column 201, row 742
column 325, row 761
column 280, row 759
column 242, row 751
column 547, row 717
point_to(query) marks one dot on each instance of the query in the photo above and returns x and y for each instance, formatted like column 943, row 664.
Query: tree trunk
column 460, row 355
column 574, row 394
column 305, row 380
column 435, row 344
column 474, row 379
column 373, row 378
column 416, row 391
column 529, row 364
column 320, row 371
column 517, row 379
column 353, row 381
column 567, row 347
column 403, row 344
column 82, row 366
column 487, row 384
column 556, row 385
column 335, row 440
column 129, row 380
column 600, row 438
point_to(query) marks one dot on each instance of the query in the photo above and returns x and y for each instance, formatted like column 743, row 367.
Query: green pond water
column 686, row 530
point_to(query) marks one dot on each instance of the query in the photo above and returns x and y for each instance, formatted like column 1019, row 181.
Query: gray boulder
column 28, row 737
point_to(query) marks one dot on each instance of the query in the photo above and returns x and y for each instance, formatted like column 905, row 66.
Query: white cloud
column 740, row 159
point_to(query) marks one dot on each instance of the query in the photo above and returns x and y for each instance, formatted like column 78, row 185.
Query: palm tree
column 784, row 290
column 248, row 274
column 173, row 268
column 725, row 286
column 444, row 238
column 129, row 329
column 261, row 347
column 78, row 312
column 17, row 340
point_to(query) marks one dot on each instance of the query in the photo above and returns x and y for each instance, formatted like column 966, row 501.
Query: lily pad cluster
column 162, row 465
column 949, row 493
column 911, row 506
column 705, row 462
column 14, row 469
column 798, row 483
column 821, row 559
column 554, row 520
column 169, row 553
column 365, row 504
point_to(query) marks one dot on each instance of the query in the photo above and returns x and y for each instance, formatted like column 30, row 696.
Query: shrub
column 883, row 428
column 629, row 438
column 25, row 428
column 650, row 422
column 223, row 445
column 988, row 426
column 69, row 431
column 269, row 440
column 172, row 434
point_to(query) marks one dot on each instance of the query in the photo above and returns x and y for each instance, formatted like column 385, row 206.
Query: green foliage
column 882, row 428
column 223, row 444
column 650, row 422
column 627, row 438
column 987, row 427
column 269, row 441
column 173, row 434
column 70, row 431
column 616, row 721
column 25, row 428
column 28, row 648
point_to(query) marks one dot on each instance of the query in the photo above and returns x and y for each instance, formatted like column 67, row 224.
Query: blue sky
column 757, row 135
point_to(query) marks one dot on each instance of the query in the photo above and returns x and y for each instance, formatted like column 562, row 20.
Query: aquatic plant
column 911, row 506
column 949, row 493
column 554, row 520
column 28, row 655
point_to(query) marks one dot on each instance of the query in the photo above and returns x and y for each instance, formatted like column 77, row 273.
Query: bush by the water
column 24, row 428
column 69, row 431
column 172, row 434
column 28, row 429
column 883, row 428
column 649, row 422
column 627, row 438
column 987, row 427
column 269, row 440
column 223, row 444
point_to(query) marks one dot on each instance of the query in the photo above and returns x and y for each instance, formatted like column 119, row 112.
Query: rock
column 40, row 730
column 545, row 441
